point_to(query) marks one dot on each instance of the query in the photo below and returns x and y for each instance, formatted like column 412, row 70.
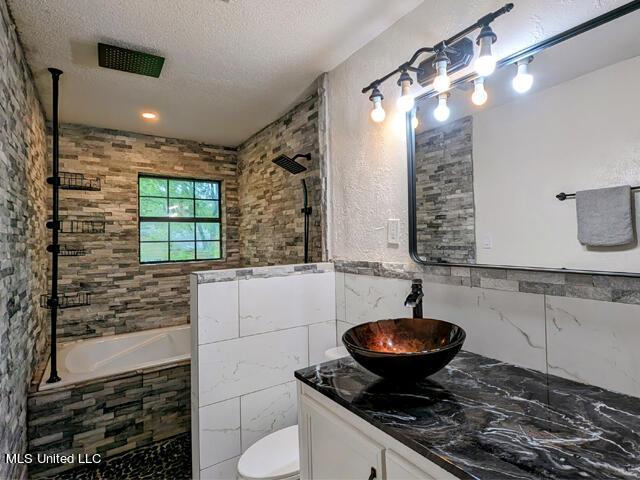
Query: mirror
column 486, row 179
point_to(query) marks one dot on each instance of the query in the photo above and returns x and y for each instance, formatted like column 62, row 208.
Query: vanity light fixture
column 377, row 112
column 459, row 47
column 442, row 112
column 485, row 64
column 441, row 81
column 523, row 80
column 405, row 101
column 479, row 95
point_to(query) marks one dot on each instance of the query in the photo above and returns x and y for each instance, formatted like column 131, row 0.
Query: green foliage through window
column 179, row 219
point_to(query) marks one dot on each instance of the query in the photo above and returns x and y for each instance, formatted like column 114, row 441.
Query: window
column 179, row 219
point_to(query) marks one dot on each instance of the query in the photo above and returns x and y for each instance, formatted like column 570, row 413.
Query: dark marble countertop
column 486, row 419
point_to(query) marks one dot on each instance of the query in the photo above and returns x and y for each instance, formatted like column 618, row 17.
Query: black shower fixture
column 132, row 61
column 291, row 166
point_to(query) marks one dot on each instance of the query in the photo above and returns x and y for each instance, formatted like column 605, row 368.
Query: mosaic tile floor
column 169, row 460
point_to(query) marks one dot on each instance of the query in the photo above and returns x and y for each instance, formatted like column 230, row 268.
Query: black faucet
column 414, row 299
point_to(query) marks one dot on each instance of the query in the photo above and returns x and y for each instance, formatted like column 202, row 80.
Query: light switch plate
column 393, row 231
column 487, row 242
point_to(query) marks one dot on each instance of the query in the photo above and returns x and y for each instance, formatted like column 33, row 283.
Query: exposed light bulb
column 442, row 112
column 479, row 96
column 405, row 101
column 414, row 122
column 377, row 112
column 441, row 82
column 523, row 80
column 149, row 115
column 485, row 64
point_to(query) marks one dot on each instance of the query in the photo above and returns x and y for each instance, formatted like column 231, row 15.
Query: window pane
column 206, row 208
column 208, row 250
column 154, row 252
column 182, row 231
column 154, row 187
column 153, row 207
column 181, row 188
column 207, row 231
column 154, row 231
column 180, row 208
column 182, row 251
column 207, row 190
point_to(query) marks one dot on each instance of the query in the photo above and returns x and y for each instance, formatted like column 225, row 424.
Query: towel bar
column 563, row 196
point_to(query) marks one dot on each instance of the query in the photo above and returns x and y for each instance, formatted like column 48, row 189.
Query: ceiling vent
column 132, row 61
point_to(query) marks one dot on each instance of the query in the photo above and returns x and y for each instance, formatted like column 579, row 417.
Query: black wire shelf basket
column 67, row 250
column 82, row 226
column 78, row 181
column 67, row 300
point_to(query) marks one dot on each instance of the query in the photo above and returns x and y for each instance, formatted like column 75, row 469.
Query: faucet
column 414, row 299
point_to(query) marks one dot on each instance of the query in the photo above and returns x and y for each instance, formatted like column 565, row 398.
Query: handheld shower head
column 290, row 164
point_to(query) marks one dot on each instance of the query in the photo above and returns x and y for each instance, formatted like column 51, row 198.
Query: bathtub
column 94, row 358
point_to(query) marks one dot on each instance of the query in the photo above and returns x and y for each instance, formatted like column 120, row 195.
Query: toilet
column 276, row 456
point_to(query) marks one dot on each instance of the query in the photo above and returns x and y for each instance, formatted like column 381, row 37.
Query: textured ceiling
column 231, row 66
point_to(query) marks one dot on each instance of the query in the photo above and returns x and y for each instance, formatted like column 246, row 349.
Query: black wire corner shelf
column 81, row 226
column 67, row 300
column 67, row 250
column 77, row 181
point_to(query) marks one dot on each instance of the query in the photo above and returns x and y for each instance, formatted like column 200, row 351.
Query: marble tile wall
column 587, row 340
column 252, row 329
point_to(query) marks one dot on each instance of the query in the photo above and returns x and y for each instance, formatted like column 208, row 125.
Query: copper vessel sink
column 404, row 348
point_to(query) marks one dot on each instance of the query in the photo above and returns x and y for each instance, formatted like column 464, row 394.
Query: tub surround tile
column 322, row 336
column 243, row 365
column 217, row 312
column 219, row 432
column 266, row 411
column 594, row 342
column 481, row 418
column 245, row 273
column 375, row 298
column 269, row 304
column 109, row 416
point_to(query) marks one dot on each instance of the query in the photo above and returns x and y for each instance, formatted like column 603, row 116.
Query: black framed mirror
column 486, row 185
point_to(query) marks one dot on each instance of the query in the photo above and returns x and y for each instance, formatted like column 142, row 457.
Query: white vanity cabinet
column 336, row 444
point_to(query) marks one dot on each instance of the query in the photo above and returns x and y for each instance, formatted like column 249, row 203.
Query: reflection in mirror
column 488, row 176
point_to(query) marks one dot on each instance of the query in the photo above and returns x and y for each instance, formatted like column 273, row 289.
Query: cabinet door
column 337, row 450
column 400, row 469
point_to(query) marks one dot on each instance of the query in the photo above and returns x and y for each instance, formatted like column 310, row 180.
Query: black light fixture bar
column 440, row 46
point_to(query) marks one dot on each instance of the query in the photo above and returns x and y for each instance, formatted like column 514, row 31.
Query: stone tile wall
column 271, row 224
column 109, row 416
column 445, row 211
column 23, row 239
column 126, row 295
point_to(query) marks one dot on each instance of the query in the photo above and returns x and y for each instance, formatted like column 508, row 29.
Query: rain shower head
column 290, row 164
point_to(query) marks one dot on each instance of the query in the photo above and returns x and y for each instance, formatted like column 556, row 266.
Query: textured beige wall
column 368, row 160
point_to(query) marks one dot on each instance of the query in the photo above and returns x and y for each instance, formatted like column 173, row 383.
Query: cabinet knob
column 373, row 474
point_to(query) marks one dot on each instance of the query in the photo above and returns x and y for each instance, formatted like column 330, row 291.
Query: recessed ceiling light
column 149, row 115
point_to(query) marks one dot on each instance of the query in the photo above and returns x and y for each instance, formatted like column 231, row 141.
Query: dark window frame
column 169, row 220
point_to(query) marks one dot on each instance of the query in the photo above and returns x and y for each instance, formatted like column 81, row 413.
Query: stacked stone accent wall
column 271, row 224
column 444, row 193
column 109, row 416
column 23, row 239
column 126, row 295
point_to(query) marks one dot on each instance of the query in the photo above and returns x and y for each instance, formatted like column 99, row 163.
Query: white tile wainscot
column 252, row 328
